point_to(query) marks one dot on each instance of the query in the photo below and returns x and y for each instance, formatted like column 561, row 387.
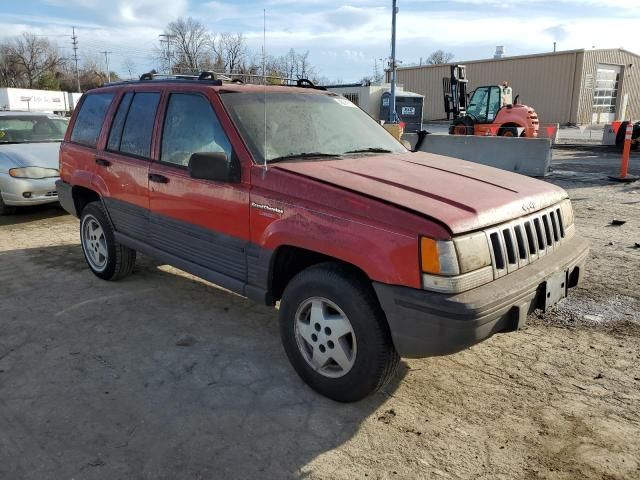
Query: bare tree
column 29, row 57
column 292, row 65
column 188, row 47
column 230, row 50
column 439, row 57
column 129, row 66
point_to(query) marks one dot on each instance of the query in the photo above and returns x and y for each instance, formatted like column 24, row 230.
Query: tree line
column 187, row 46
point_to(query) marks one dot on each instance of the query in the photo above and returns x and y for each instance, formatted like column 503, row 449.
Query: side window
column 90, row 119
column 191, row 126
column 115, row 135
column 138, row 126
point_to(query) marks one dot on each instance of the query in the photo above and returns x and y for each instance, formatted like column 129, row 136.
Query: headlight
column 34, row 172
column 566, row 210
column 453, row 266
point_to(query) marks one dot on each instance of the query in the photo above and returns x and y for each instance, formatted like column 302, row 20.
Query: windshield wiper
column 301, row 155
column 370, row 150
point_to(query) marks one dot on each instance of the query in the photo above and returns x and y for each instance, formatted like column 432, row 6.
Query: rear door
column 203, row 222
column 123, row 165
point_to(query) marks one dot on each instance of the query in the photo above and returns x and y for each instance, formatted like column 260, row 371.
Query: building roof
column 518, row 57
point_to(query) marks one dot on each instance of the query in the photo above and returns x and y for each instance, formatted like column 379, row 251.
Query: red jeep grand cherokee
column 295, row 195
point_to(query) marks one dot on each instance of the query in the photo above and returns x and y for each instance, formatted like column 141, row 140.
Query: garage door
column 605, row 94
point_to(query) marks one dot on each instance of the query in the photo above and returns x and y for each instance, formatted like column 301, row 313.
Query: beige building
column 576, row 86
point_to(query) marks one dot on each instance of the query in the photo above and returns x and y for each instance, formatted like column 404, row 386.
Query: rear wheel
column 335, row 333
column 106, row 258
column 6, row 209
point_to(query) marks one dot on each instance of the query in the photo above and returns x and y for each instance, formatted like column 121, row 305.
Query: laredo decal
column 268, row 208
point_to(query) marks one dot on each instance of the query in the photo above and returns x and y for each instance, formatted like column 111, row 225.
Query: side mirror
column 214, row 166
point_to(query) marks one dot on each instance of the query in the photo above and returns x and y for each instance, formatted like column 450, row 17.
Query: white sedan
column 29, row 146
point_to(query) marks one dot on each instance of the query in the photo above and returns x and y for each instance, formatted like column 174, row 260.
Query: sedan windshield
column 305, row 125
column 32, row 128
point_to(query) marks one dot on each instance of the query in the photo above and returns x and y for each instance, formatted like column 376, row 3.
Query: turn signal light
column 429, row 255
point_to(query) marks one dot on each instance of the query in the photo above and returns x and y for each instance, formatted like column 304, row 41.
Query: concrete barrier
column 527, row 156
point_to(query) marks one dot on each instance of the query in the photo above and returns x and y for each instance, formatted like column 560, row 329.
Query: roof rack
column 217, row 79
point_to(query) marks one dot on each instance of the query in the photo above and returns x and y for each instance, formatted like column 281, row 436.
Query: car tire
column 325, row 295
column 6, row 209
column 107, row 259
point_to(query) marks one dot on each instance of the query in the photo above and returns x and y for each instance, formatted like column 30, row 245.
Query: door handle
column 102, row 162
column 156, row 177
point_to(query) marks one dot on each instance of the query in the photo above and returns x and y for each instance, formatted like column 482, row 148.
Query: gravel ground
column 162, row 375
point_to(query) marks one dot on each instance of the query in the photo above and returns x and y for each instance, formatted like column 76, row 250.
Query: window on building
column 353, row 98
column 90, row 119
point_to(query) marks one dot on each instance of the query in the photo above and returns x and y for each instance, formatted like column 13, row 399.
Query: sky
column 344, row 39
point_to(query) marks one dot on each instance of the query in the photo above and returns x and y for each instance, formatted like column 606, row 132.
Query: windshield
column 305, row 125
column 32, row 128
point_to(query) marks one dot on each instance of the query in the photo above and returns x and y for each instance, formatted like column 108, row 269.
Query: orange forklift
column 489, row 110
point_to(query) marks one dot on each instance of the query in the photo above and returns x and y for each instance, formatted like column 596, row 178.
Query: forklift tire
column 508, row 132
column 461, row 126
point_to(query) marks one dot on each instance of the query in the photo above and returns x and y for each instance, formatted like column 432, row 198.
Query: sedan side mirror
column 214, row 166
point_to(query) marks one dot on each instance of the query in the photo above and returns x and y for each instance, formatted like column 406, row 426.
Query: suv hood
column 35, row 154
column 464, row 196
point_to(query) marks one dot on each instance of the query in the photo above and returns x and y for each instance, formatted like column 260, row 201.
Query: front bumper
column 426, row 324
column 42, row 190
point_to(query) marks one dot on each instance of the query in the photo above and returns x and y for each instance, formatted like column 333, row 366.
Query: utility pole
column 167, row 37
column 392, row 106
column 74, row 42
column 106, row 59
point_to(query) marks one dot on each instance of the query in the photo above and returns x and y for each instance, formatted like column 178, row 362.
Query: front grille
column 520, row 242
column 51, row 194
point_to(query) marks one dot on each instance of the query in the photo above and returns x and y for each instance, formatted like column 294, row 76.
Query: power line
column 167, row 38
column 74, row 42
column 106, row 59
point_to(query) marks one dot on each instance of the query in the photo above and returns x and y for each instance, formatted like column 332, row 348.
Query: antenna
column 264, row 84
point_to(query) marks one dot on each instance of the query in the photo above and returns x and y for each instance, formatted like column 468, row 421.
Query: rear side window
column 90, row 119
column 115, row 135
column 132, row 127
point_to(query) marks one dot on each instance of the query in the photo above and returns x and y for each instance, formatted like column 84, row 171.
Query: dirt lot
column 165, row 376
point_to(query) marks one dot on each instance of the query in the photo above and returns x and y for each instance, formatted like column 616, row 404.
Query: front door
column 123, row 165
column 202, row 222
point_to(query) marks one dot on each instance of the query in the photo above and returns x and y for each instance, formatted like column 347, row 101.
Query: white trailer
column 30, row 100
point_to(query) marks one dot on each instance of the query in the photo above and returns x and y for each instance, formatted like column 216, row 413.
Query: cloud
column 557, row 32
column 130, row 12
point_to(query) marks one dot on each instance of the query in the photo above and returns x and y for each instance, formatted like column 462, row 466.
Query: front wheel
column 106, row 258
column 335, row 334
column 508, row 132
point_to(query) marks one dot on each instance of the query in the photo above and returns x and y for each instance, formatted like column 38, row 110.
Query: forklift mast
column 455, row 92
